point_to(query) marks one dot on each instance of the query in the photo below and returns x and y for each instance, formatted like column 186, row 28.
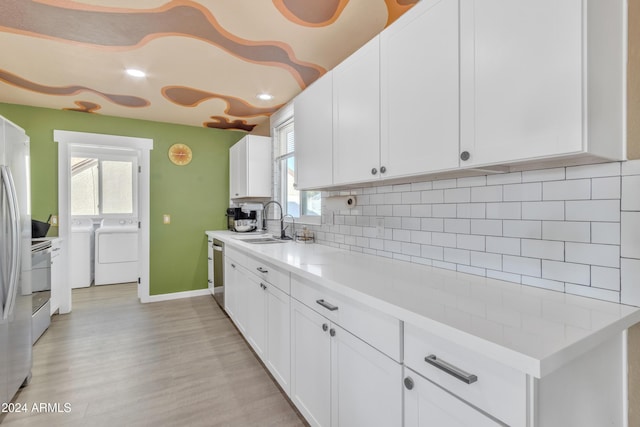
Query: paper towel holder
column 341, row 202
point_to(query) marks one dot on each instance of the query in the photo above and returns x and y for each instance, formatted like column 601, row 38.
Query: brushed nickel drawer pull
column 326, row 305
column 450, row 369
column 262, row 270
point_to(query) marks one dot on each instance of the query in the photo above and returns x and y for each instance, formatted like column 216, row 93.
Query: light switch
column 166, row 219
column 54, row 220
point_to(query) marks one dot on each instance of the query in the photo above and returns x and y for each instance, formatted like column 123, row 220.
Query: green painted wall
column 195, row 195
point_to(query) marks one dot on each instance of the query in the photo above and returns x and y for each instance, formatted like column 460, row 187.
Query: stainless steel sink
column 264, row 240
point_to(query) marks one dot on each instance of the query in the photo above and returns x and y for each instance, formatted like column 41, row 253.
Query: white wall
column 572, row 229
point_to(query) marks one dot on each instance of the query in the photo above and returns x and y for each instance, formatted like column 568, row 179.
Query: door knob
column 464, row 156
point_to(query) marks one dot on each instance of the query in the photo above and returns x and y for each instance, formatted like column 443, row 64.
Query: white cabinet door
column 231, row 288
column 238, row 170
column 256, row 314
column 250, row 168
column 210, row 264
column 521, row 79
column 57, row 275
column 310, row 365
column 366, row 384
column 278, row 353
column 420, row 90
column 356, row 109
column 427, row 405
column 313, row 110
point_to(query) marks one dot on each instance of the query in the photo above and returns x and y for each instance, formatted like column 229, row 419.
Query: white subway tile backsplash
column 605, row 188
column 543, row 283
column 508, row 210
column 587, row 291
column 543, row 210
column 593, row 210
column 577, row 189
column 563, row 229
column 411, row 223
column 566, row 272
column 543, row 249
column 466, row 241
column 445, row 183
column 555, row 174
column 421, row 186
column 432, row 224
column 605, row 278
column 471, row 210
column 486, row 227
column 522, row 192
column 432, row 252
column 444, row 211
column 594, row 171
column 472, row 181
column 566, row 231
column 421, row 211
column 432, row 196
column 504, row 178
column 411, row 197
column 521, row 265
column 631, row 193
column 458, row 256
column 605, row 232
column 486, row 260
column 457, row 226
column 487, row 194
column 516, row 228
column 422, row 237
column 630, row 235
column 630, row 282
column 503, row 245
column 457, row 195
column 443, row 239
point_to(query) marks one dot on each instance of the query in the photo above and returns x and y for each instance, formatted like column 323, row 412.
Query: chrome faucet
column 293, row 228
column 264, row 216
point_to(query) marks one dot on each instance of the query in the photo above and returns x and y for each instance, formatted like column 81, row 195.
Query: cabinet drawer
column 499, row 390
column 372, row 326
column 235, row 255
column 274, row 275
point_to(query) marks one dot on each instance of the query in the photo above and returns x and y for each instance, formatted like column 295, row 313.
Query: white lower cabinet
column 256, row 303
column 338, row 379
column 278, row 326
column 427, row 405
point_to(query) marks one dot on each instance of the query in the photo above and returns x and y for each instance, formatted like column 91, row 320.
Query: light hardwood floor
column 121, row 363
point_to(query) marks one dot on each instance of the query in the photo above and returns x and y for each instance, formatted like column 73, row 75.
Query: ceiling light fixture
column 136, row 73
column 264, row 96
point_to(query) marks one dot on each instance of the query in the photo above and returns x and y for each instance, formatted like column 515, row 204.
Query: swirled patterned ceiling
column 205, row 60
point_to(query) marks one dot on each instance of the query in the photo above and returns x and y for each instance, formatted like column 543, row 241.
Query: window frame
column 279, row 174
column 108, row 154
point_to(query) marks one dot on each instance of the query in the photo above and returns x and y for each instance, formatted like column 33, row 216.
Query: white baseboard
column 176, row 295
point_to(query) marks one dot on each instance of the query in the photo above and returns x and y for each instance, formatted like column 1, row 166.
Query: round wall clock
column 180, row 154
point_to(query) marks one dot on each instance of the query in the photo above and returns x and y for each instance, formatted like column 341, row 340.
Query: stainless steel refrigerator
column 15, row 260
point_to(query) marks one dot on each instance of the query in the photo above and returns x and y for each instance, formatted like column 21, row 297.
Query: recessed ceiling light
column 264, row 96
column 136, row 73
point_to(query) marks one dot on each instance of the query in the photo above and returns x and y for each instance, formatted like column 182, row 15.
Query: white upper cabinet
column 313, row 124
column 420, row 91
column 541, row 79
column 250, row 168
column 356, row 116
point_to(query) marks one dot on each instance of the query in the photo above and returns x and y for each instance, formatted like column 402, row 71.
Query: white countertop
column 530, row 329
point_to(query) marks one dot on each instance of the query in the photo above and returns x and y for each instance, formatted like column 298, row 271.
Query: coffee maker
column 241, row 220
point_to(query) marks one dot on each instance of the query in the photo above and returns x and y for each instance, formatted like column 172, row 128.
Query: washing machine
column 116, row 257
column 82, row 252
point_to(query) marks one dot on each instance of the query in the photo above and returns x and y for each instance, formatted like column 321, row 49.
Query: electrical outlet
column 54, row 220
column 166, row 219
column 379, row 223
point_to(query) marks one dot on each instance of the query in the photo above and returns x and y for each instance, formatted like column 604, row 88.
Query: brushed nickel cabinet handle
column 454, row 371
column 262, row 270
column 408, row 383
column 326, row 305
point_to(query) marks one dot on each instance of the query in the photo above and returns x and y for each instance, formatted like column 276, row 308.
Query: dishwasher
column 218, row 272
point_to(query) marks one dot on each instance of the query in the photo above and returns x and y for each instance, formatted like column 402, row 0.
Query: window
column 103, row 185
column 303, row 205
